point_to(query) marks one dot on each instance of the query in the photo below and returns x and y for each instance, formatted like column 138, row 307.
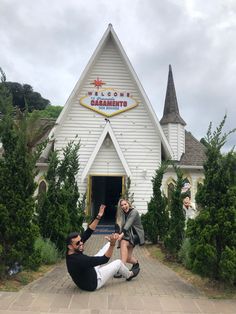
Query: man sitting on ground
column 89, row 272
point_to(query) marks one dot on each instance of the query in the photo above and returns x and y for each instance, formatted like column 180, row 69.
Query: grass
column 211, row 288
column 16, row 282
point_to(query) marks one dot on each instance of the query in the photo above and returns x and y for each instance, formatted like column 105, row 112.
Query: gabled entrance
column 105, row 190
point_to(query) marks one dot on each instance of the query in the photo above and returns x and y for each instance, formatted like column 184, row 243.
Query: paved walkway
column 156, row 290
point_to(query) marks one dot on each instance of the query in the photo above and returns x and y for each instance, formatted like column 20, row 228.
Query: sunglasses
column 78, row 242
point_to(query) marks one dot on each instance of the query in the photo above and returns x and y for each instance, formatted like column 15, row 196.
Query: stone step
column 104, row 229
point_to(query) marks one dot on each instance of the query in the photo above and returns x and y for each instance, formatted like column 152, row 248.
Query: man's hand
column 94, row 223
column 112, row 238
column 101, row 210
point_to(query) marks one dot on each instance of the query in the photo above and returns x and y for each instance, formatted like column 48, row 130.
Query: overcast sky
column 47, row 44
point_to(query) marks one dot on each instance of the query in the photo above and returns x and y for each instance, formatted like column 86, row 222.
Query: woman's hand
column 120, row 236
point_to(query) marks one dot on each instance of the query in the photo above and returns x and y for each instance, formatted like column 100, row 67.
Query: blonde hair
column 119, row 211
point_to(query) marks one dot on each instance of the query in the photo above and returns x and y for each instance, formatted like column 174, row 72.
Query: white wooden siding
column 181, row 137
column 107, row 162
column 175, row 134
column 134, row 129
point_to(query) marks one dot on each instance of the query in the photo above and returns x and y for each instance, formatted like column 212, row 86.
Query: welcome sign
column 108, row 101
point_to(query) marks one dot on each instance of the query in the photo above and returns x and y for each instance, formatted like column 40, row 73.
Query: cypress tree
column 213, row 233
column 17, row 172
column 175, row 234
column 127, row 195
column 53, row 216
column 59, row 209
column 67, row 172
column 155, row 221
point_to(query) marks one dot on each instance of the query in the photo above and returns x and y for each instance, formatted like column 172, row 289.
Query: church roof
column 171, row 110
column 195, row 152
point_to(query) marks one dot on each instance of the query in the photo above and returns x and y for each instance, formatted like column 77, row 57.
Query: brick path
column 156, row 290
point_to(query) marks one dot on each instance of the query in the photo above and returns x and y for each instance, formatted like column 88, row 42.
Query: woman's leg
column 131, row 259
column 124, row 250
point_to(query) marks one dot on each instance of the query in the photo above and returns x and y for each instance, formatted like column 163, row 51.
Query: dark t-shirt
column 81, row 266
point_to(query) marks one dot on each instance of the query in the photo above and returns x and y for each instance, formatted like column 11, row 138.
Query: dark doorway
column 105, row 190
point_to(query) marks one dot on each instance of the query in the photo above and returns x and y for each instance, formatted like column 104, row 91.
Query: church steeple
column 171, row 109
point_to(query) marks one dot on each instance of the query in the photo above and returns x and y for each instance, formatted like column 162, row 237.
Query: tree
column 59, row 210
column 175, row 234
column 53, row 217
column 36, row 128
column 5, row 96
column 67, row 171
column 155, row 221
column 213, row 233
column 51, row 112
column 127, row 195
column 204, row 142
column 24, row 97
column 17, row 171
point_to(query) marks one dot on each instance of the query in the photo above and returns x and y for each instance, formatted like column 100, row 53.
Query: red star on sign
column 98, row 83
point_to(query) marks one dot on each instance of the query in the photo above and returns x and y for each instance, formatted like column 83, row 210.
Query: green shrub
column 60, row 209
column 228, row 265
column 151, row 232
column 205, row 260
column 184, row 253
column 34, row 261
column 213, row 233
column 155, row 221
column 175, row 235
column 2, row 271
column 48, row 251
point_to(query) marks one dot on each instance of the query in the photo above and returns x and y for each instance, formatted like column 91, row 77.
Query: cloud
column 48, row 44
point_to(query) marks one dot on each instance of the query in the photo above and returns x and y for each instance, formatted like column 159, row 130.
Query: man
column 89, row 272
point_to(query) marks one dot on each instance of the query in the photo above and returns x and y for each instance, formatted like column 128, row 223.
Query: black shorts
column 134, row 241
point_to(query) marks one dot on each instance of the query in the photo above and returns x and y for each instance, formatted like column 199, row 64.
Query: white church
column 120, row 135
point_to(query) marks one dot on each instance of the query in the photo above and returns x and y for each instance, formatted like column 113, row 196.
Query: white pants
column 107, row 271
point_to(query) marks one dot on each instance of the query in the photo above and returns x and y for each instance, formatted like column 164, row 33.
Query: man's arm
column 112, row 239
column 92, row 226
column 95, row 222
column 85, row 261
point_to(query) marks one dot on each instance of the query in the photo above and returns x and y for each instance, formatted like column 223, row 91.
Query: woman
column 131, row 233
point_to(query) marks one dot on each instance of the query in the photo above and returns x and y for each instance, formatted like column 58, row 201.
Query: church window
column 42, row 187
